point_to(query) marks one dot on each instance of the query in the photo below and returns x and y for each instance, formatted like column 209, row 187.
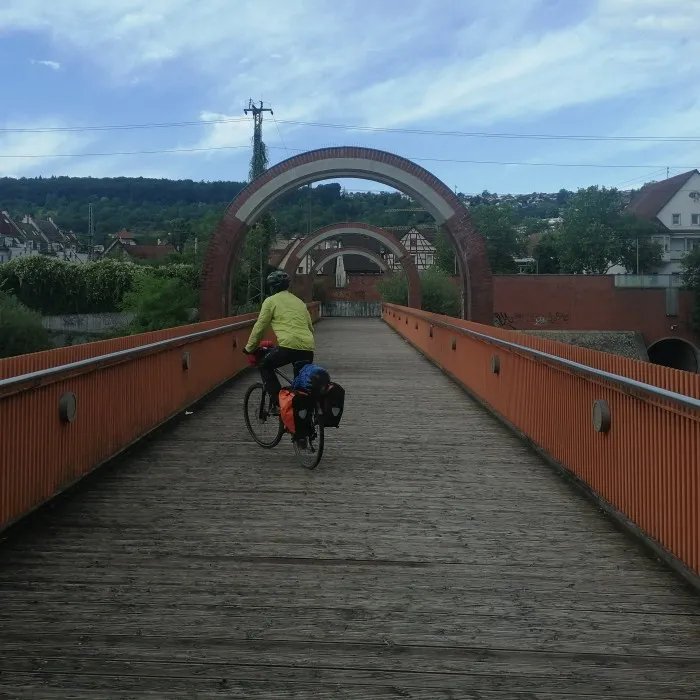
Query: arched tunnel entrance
column 676, row 353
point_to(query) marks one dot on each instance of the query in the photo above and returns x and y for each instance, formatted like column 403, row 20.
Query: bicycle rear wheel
column 310, row 451
column 267, row 430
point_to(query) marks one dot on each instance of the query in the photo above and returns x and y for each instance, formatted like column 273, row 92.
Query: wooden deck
column 430, row 556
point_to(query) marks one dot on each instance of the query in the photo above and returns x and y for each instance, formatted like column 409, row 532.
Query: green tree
column 440, row 294
column 691, row 281
column 504, row 241
column 394, row 289
column 21, row 330
column 548, row 253
column 445, row 257
column 159, row 302
column 596, row 234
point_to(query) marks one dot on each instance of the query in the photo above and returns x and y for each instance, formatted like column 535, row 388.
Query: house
column 675, row 203
column 29, row 236
column 125, row 245
column 420, row 245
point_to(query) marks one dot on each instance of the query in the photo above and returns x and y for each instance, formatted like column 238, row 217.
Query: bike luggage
column 296, row 409
column 312, row 379
column 332, row 404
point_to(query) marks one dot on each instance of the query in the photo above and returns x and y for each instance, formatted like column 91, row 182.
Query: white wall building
column 419, row 247
column 675, row 203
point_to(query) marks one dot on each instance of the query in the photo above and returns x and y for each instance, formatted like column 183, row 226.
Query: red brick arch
column 388, row 240
column 347, row 162
column 353, row 250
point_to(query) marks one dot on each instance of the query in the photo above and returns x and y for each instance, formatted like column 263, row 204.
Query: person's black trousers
column 279, row 357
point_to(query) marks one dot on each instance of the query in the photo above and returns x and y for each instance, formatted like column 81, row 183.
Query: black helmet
column 278, row 281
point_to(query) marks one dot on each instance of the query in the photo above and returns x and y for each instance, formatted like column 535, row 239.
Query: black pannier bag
column 332, row 404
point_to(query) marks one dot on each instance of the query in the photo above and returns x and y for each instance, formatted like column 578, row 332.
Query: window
column 300, row 271
column 429, row 259
column 695, row 219
column 676, row 219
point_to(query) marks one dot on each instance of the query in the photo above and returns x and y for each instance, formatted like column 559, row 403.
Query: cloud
column 509, row 65
column 31, row 152
column 54, row 65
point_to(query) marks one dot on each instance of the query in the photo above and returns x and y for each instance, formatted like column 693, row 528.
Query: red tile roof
column 653, row 198
column 125, row 235
column 148, row 252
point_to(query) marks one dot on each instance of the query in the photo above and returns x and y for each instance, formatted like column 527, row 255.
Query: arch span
column 388, row 240
column 352, row 250
column 362, row 163
column 675, row 352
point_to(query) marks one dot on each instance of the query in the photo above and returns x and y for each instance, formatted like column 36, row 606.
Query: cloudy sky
column 604, row 68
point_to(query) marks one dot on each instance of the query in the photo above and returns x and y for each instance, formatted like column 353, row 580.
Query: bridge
column 498, row 516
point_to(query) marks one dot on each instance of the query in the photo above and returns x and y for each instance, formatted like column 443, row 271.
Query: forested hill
column 150, row 207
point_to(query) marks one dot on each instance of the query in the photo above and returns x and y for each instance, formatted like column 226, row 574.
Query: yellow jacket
column 290, row 321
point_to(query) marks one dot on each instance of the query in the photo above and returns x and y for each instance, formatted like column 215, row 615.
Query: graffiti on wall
column 518, row 321
column 346, row 295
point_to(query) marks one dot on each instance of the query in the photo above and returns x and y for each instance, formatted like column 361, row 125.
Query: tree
column 159, row 302
column 504, row 241
column 691, row 280
column 21, row 330
column 596, row 234
column 445, row 258
column 440, row 294
column 548, row 253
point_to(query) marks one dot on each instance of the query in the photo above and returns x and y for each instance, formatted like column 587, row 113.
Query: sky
column 620, row 70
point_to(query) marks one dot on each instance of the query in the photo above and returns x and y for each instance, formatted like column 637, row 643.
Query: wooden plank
column 430, row 556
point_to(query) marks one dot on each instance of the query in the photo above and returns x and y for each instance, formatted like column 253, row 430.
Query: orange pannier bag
column 295, row 411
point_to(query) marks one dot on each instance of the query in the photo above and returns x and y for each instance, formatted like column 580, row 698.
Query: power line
column 356, row 127
column 303, row 150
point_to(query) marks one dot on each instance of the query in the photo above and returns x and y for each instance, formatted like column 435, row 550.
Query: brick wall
column 566, row 302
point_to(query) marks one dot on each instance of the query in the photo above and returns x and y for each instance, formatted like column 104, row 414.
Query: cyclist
column 291, row 324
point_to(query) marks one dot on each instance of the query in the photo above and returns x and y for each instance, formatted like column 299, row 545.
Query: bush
column 53, row 286
column 394, row 289
column 440, row 295
column 20, row 329
column 691, row 280
column 159, row 303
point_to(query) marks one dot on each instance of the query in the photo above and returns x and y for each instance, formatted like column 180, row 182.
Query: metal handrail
column 625, row 382
column 115, row 357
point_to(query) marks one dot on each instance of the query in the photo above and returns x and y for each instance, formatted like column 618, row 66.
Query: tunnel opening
column 674, row 352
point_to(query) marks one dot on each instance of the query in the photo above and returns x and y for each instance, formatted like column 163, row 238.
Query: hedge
column 52, row 287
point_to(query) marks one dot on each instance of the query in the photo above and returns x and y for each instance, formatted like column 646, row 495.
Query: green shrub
column 53, row 286
column 158, row 303
column 21, row 331
column 394, row 289
column 691, row 281
column 440, row 295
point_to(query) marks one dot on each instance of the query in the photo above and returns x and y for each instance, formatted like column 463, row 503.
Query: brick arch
column 348, row 162
column 388, row 240
column 353, row 250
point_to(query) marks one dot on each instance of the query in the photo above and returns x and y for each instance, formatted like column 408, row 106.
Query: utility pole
column 258, row 165
column 91, row 233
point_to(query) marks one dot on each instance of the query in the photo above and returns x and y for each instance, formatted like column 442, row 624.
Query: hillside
column 150, row 207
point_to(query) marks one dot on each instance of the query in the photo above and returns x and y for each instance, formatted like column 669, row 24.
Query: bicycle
column 257, row 410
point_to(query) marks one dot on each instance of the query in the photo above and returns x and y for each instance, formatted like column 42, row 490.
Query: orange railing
column 628, row 431
column 64, row 412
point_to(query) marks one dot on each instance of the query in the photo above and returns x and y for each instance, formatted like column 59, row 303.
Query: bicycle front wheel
column 310, row 450
column 266, row 429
